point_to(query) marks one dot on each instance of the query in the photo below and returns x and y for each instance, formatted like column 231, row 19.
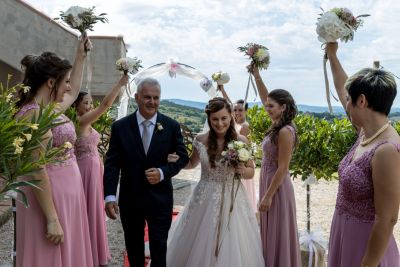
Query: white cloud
column 205, row 34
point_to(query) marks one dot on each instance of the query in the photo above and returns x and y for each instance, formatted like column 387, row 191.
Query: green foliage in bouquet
column 19, row 139
column 81, row 19
column 321, row 144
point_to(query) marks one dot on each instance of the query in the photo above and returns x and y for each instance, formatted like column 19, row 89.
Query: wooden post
column 376, row 64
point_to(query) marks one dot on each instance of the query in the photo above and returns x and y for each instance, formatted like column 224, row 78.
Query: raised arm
column 88, row 118
column 224, row 94
column 261, row 87
column 339, row 75
column 76, row 73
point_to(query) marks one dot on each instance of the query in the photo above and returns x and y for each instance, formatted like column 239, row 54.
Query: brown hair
column 37, row 70
column 282, row 97
column 215, row 105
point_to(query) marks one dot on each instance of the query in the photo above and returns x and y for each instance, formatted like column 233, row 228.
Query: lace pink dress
column 278, row 225
column 92, row 169
column 355, row 213
column 33, row 249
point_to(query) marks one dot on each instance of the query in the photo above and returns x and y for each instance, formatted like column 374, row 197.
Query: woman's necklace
column 365, row 142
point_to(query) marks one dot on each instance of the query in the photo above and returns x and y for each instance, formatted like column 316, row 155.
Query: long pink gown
column 92, row 169
column 354, row 214
column 278, row 226
column 248, row 184
column 33, row 249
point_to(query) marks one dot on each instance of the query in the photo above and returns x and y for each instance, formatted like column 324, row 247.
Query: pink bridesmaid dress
column 355, row 214
column 33, row 249
column 91, row 168
column 278, row 225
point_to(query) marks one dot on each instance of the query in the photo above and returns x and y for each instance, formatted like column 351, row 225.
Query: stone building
column 25, row 30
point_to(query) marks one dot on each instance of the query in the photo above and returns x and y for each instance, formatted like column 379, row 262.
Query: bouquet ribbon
column 250, row 81
column 88, row 73
column 310, row 239
column 327, row 89
column 221, row 208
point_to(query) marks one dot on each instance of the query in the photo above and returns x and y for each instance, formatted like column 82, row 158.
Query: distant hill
column 303, row 108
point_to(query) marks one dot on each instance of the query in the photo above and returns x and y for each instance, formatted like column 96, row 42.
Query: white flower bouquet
column 258, row 54
column 236, row 152
column 338, row 23
column 128, row 65
column 220, row 77
column 81, row 19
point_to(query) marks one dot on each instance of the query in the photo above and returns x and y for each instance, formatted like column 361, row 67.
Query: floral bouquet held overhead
column 81, row 19
column 220, row 77
column 236, row 152
column 128, row 65
column 337, row 23
column 260, row 59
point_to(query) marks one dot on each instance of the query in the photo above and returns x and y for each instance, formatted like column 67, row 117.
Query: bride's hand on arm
column 172, row 158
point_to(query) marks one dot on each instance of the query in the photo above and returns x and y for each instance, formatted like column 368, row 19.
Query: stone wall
column 26, row 30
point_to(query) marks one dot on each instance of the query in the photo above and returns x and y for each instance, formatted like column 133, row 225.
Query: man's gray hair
column 148, row 81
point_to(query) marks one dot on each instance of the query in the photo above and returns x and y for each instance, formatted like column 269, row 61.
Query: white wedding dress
column 193, row 238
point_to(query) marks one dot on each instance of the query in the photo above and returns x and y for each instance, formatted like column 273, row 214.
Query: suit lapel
column 156, row 134
column 136, row 133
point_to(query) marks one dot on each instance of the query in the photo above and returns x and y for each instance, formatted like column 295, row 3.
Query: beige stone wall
column 26, row 30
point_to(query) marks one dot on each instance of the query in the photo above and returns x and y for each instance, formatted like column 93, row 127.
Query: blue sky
column 205, row 34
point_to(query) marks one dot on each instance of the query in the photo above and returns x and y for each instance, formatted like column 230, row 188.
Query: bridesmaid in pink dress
column 368, row 199
column 91, row 168
column 54, row 230
column 277, row 202
column 243, row 128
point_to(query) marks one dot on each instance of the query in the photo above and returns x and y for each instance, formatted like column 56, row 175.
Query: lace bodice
column 355, row 196
column 218, row 174
column 61, row 134
column 86, row 146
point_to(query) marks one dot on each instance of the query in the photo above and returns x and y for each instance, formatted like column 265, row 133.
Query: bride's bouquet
column 220, row 77
column 338, row 23
column 81, row 19
column 128, row 65
column 236, row 152
column 258, row 54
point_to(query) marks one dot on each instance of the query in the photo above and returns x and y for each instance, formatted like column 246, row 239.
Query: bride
column 206, row 233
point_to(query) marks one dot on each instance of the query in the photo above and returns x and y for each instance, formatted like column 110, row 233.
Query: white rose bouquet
column 338, row 23
column 128, row 65
column 236, row 152
column 81, row 19
column 258, row 54
column 220, row 77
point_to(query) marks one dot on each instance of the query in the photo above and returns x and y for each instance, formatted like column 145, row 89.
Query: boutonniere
column 159, row 127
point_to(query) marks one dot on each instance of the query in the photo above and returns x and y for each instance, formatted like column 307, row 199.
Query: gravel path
column 323, row 197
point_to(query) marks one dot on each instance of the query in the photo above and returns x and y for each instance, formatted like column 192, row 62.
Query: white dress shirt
column 140, row 119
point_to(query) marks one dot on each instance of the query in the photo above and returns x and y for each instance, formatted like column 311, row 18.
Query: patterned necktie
column 146, row 135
